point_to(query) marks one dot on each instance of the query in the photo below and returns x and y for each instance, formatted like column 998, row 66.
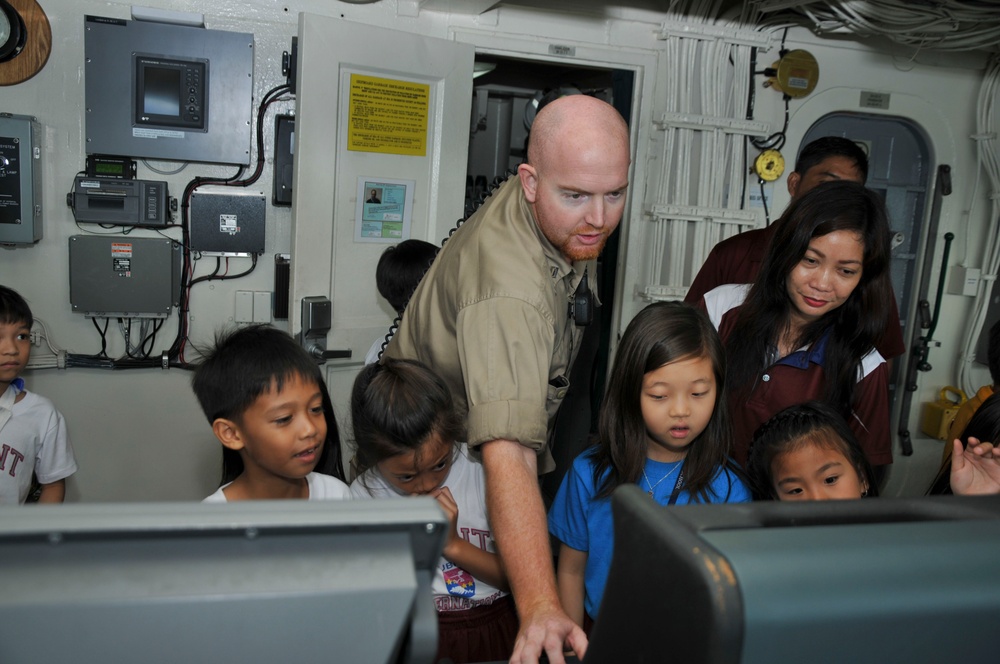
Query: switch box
column 20, row 180
column 123, row 277
column 284, row 151
column 228, row 224
column 244, row 307
column 964, row 280
column 261, row 307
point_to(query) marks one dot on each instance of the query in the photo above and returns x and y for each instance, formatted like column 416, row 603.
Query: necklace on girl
column 652, row 486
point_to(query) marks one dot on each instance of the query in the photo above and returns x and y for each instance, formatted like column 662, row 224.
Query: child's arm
column 54, row 492
column 477, row 562
column 976, row 469
column 569, row 579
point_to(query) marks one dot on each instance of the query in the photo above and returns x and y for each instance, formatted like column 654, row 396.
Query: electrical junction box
column 224, row 224
column 20, row 180
column 964, row 280
column 116, row 276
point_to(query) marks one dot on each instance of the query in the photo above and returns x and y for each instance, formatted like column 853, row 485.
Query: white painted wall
column 139, row 434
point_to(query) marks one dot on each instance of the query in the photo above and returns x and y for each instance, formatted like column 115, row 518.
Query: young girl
column 807, row 326
column 807, row 452
column 664, row 425
column 268, row 406
column 405, row 428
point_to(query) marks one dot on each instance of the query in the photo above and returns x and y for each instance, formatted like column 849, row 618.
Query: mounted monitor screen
column 861, row 581
column 171, row 93
column 251, row 581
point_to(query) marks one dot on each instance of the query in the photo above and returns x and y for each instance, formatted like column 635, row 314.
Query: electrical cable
column 175, row 353
column 953, row 25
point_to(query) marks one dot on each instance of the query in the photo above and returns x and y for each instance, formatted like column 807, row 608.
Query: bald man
column 494, row 318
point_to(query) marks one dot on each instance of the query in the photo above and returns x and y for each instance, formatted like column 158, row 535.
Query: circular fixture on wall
column 769, row 165
column 13, row 33
column 795, row 74
column 25, row 40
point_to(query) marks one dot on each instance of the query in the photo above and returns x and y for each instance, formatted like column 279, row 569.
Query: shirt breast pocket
column 558, row 387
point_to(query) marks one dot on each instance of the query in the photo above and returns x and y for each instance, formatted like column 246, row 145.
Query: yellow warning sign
column 387, row 115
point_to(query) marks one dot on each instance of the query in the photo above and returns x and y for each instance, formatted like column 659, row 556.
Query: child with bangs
column 406, row 430
column 664, row 425
column 269, row 407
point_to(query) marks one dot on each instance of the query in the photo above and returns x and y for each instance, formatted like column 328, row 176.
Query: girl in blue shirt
column 664, row 425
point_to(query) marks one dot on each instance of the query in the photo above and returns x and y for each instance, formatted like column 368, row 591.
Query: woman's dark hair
column 812, row 422
column 245, row 363
column 396, row 405
column 854, row 327
column 985, row 423
column 661, row 333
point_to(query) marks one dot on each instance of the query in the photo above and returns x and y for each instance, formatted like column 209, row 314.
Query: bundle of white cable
column 57, row 359
column 988, row 158
column 701, row 168
column 954, row 25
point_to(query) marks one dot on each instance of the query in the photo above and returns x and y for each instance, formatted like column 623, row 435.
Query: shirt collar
column 814, row 354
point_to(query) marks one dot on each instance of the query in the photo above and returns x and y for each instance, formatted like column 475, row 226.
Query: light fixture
column 13, row 33
column 482, row 68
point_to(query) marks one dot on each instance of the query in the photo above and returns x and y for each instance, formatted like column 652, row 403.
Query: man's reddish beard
column 574, row 253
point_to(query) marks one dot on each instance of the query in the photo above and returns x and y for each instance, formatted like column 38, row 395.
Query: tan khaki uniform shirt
column 492, row 318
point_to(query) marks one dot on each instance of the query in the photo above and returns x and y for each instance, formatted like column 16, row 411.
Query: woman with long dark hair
column 806, row 328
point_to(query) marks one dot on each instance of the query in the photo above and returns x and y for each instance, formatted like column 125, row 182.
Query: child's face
column 677, row 403
column 419, row 472
column 815, row 472
column 15, row 349
column 283, row 433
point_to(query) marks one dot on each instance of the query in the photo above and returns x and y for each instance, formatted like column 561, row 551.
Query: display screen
column 109, row 168
column 162, row 94
column 171, row 93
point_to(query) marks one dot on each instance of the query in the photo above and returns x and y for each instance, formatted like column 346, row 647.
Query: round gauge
column 769, row 165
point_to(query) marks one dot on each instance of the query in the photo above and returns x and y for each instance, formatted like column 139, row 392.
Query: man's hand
column 547, row 629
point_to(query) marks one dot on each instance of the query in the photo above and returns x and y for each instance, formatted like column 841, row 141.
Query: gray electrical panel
column 228, row 224
column 123, row 277
column 20, row 180
column 167, row 91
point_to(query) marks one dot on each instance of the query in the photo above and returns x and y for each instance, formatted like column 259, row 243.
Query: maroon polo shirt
column 800, row 377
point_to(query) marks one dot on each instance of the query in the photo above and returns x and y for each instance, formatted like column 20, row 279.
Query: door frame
column 644, row 64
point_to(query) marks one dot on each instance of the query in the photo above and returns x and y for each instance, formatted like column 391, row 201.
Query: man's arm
column 517, row 515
